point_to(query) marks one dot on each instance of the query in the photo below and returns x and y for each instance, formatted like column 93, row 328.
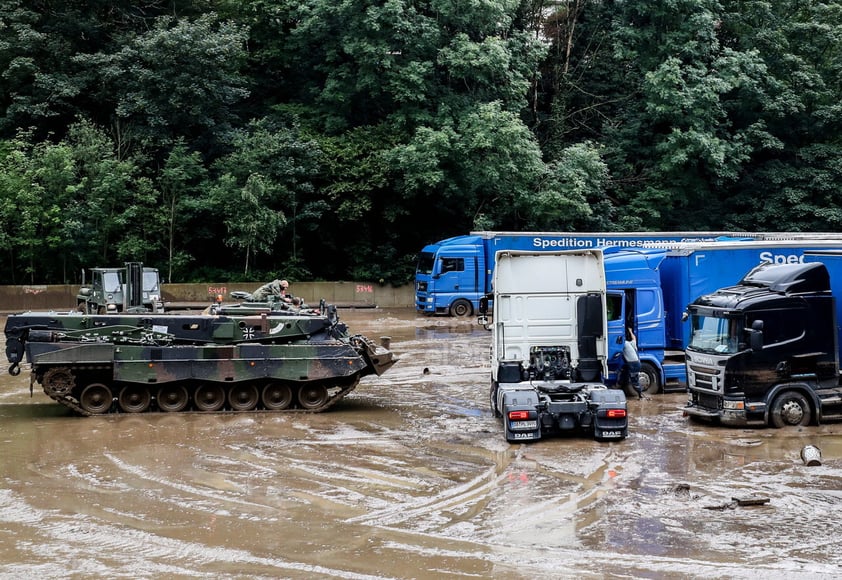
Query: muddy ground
column 408, row 477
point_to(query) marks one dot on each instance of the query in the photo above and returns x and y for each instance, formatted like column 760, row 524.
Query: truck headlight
column 734, row 405
column 430, row 299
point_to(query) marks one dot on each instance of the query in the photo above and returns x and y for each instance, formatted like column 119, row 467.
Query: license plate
column 523, row 425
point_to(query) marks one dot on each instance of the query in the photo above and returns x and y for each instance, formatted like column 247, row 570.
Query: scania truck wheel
column 790, row 409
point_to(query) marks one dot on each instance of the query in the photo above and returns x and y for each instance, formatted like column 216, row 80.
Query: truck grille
column 421, row 286
column 709, row 401
column 708, row 378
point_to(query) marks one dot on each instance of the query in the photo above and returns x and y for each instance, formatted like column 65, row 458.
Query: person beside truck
column 632, row 361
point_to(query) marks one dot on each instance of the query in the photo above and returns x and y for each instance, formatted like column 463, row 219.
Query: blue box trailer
column 649, row 290
column 832, row 260
column 453, row 274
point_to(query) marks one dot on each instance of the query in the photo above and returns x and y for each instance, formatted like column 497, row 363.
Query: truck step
column 675, row 387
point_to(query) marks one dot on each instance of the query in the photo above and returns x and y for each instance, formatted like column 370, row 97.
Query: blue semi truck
column 649, row 290
column 453, row 274
column 766, row 350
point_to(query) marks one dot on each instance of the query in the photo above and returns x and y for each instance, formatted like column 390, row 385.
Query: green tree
column 180, row 181
column 269, row 172
column 43, row 56
column 475, row 173
column 181, row 78
column 251, row 224
column 571, row 189
column 795, row 176
column 36, row 185
column 113, row 203
column 662, row 86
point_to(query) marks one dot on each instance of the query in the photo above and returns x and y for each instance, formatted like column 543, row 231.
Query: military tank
column 292, row 361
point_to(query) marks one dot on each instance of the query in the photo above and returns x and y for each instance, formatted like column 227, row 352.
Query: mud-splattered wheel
column 461, row 308
column 243, row 397
column 134, row 399
column 493, row 397
column 649, row 379
column 58, row 381
column 790, row 408
column 96, row 399
column 276, row 397
column 312, row 396
column 209, row 398
column 172, row 398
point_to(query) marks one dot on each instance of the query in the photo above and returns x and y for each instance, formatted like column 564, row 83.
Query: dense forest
column 332, row 139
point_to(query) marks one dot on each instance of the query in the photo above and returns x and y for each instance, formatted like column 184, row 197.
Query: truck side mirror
column 755, row 334
column 482, row 319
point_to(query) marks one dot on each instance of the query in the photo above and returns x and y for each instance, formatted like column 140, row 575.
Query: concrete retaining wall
column 60, row 297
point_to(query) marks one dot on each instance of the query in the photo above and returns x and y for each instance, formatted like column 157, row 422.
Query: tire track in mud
column 206, row 492
column 502, row 478
column 467, row 504
column 81, row 545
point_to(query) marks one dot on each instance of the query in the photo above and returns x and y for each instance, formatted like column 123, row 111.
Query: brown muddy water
column 408, row 477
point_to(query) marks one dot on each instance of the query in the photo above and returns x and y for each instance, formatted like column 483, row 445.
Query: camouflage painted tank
column 134, row 363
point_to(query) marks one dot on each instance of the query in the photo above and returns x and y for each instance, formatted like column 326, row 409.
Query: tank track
column 58, row 384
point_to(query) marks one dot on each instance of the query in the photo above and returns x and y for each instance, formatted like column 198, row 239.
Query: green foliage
column 332, row 139
column 265, row 184
column 182, row 77
column 477, row 168
column 797, row 194
column 180, row 182
column 572, row 184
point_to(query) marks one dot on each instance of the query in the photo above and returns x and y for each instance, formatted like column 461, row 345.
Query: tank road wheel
column 96, row 399
column 134, row 399
column 243, row 397
column 209, row 398
column 461, row 308
column 172, row 398
column 790, row 409
column 58, row 381
column 312, row 396
column 276, row 396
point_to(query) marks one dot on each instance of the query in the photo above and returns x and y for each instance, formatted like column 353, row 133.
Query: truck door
column 616, row 315
column 456, row 279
